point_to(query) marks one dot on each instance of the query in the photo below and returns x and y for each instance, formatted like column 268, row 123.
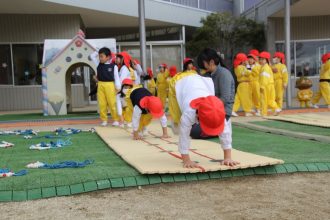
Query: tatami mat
column 156, row 155
column 321, row 120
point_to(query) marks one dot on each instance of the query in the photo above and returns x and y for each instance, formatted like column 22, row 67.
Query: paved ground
column 297, row 196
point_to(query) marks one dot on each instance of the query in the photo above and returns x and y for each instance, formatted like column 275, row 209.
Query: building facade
column 310, row 33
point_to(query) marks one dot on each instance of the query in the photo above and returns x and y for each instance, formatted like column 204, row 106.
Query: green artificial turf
column 291, row 150
column 85, row 146
column 39, row 116
column 308, row 129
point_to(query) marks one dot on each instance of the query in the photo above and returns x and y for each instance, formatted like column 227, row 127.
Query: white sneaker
column 104, row 123
column 234, row 114
column 122, row 125
column 129, row 125
column 277, row 111
column 315, row 106
column 258, row 114
column 248, row 114
column 253, row 111
column 115, row 124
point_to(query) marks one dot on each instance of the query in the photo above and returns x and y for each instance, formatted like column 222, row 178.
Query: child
column 267, row 90
column 149, row 82
column 199, row 105
column 280, row 77
column 188, row 64
column 254, row 67
column 161, row 83
column 324, row 86
column 123, row 63
column 243, row 94
column 127, row 110
column 108, row 85
column 224, row 89
column 145, row 106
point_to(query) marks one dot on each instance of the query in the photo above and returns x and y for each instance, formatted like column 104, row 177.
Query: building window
column 306, row 56
column 5, row 65
column 171, row 55
column 27, row 60
column 134, row 51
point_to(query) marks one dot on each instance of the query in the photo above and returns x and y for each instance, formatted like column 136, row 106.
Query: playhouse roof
column 78, row 38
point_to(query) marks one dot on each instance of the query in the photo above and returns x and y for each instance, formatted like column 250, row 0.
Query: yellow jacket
column 151, row 86
column 255, row 72
column 282, row 73
column 325, row 71
column 174, row 108
column 131, row 71
column 162, row 80
column 242, row 74
column 266, row 76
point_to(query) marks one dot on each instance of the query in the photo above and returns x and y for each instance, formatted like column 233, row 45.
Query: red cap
column 126, row 57
column 149, row 71
column 163, row 65
column 127, row 81
column 325, row 57
column 211, row 114
column 153, row 105
column 264, row 55
column 173, row 71
column 237, row 63
column 280, row 55
column 253, row 56
column 241, row 57
column 186, row 60
column 255, row 52
column 136, row 61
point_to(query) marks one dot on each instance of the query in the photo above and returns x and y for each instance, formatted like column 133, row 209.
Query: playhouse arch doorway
column 79, row 82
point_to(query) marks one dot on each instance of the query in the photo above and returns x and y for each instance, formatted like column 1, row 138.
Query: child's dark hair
column 185, row 66
column 207, row 55
column 106, row 51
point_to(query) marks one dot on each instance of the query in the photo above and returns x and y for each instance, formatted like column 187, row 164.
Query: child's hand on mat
column 136, row 136
column 229, row 162
column 187, row 163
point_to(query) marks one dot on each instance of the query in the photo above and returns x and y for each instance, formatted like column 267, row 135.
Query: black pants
column 197, row 133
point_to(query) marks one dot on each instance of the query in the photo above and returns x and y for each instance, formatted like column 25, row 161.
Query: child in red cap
column 199, row 105
column 145, row 107
column 149, row 81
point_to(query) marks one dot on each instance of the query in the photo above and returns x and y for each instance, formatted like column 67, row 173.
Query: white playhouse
column 60, row 59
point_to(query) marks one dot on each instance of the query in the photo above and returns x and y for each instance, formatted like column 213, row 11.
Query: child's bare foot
column 187, row 163
column 229, row 162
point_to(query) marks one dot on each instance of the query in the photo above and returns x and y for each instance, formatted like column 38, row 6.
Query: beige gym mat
column 320, row 119
column 156, row 155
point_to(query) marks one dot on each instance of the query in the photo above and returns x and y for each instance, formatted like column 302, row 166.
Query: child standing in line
column 267, row 90
column 108, row 84
column 280, row 77
column 243, row 94
column 145, row 107
column 161, row 83
column 254, row 67
column 324, row 86
column 149, row 82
